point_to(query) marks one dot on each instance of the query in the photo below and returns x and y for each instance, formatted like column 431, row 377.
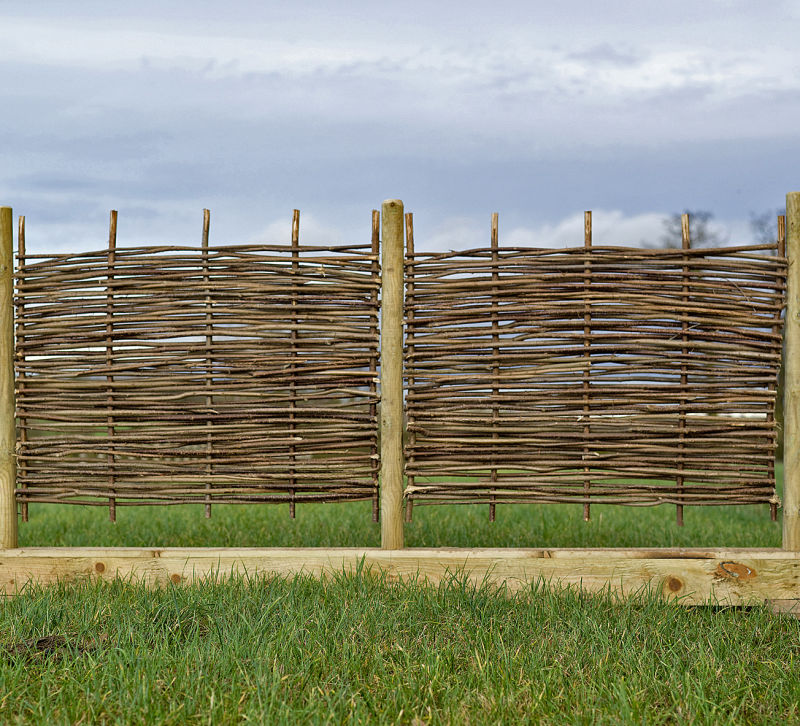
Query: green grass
column 350, row 525
column 357, row 649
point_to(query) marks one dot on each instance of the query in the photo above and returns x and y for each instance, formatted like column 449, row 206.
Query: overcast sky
column 534, row 110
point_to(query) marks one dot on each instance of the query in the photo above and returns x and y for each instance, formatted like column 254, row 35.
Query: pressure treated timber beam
column 791, row 395
column 8, row 461
column 690, row 576
column 393, row 242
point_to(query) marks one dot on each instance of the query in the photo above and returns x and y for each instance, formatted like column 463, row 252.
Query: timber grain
column 8, row 463
column 688, row 576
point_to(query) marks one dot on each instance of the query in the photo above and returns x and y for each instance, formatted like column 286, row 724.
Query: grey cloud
column 453, row 124
column 607, row 54
column 44, row 182
column 692, row 94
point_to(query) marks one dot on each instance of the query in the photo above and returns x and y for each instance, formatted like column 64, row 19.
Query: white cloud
column 177, row 224
column 455, row 233
column 312, row 232
column 169, row 223
column 609, row 228
column 453, row 65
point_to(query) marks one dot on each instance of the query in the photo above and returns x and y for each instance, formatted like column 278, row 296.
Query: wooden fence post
column 392, row 275
column 791, row 396
column 8, row 428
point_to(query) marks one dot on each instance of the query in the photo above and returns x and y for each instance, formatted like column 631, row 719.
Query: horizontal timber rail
column 688, row 576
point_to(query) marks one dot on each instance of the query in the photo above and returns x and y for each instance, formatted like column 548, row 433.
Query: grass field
column 356, row 649
column 351, row 525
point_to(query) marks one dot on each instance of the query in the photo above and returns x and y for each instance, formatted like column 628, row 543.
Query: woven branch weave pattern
column 175, row 374
column 681, row 350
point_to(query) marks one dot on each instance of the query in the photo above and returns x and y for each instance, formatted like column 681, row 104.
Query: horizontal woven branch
column 594, row 374
column 164, row 375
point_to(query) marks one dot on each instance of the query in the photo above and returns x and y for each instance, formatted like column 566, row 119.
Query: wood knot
column 176, row 578
column 99, row 567
column 734, row 571
column 674, row 584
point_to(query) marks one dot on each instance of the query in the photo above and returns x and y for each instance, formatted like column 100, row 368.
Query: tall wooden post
column 392, row 375
column 791, row 396
column 8, row 428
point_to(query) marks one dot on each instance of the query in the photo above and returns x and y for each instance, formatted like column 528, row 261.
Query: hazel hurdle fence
column 591, row 374
column 594, row 374
column 167, row 375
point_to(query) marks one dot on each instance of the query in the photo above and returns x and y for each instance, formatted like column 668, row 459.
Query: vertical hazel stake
column 209, row 361
column 495, row 362
column 392, row 375
column 112, row 248
column 23, row 424
column 776, row 331
column 791, row 396
column 587, row 334
column 373, row 363
column 686, row 243
column 412, row 436
column 293, row 366
column 8, row 424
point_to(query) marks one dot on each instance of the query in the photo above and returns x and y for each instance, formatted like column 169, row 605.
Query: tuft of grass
column 355, row 648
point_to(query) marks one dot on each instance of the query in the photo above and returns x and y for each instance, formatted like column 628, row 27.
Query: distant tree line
column 702, row 233
column 763, row 229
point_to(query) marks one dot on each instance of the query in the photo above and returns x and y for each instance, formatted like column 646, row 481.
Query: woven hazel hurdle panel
column 595, row 374
column 164, row 375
